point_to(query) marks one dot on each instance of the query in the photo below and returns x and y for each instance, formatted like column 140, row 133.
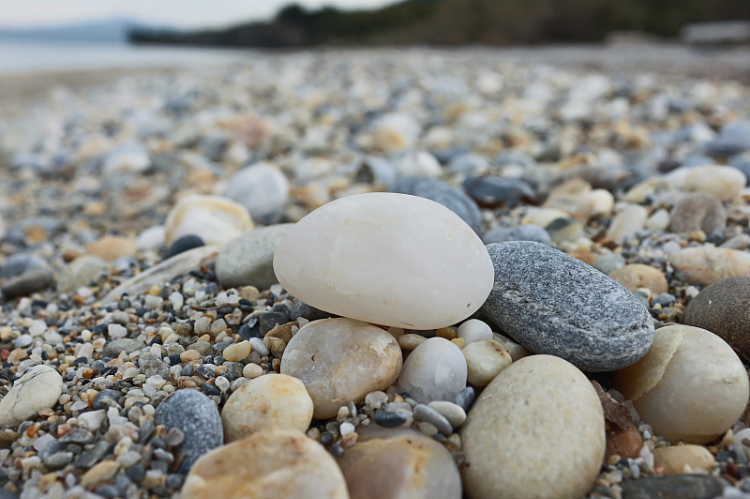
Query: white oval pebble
column 435, row 370
column 485, row 359
column 474, row 330
column 262, row 188
column 215, row 219
column 724, row 182
column 388, row 259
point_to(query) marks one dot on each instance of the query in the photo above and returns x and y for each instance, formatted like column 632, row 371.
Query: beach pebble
column 543, row 216
column 29, row 282
column 552, row 303
column 80, row 272
column 571, row 197
column 485, row 359
column 602, row 202
column 152, row 365
column 435, row 190
column 215, row 219
column 698, row 211
column 722, row 308
column 341, row 360
column 474, row 330
column 691, row 386
column 609, row 262
column 237, row 352
column 454, row 413
column 373, row 257
column 724, row 182
column 435, row 370
column 39, row 388
column 114, row 348
column 536, row 431
column 395, row 132
column 18, row 263
column 195, row 415
column 111, row 248
column 658, row 221
column 248, row 259
column 417, row 164
column 707, row 264
column 183, row 244
column 150, row 238
column 675, row 459
column 738, row 242
column 282, row 463
column 262, row 188
column 128, row 158
column 637, row 275
column 399, row 463
column 528, row 232
column 734, row 138
column 494, row 191
column 271, row 400
column 673, row 487
column 627, row 223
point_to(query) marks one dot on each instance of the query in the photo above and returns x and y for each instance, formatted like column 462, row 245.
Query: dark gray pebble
column 136, row 472
column 389, row 419
column 183, row 244
column 465, row 398
column 107, row 394
column 673, row 487
column 554, row 304
column 30, row 282
column 198, row 418
column 494, row 191
column 92, row 456
column 152, row 365
column 116, row 347
column 20, row 263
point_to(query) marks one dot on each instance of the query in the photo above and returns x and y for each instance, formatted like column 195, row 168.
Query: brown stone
column 724, row 309
column 636, row 275
column 699, row 211
column 276, row 463
column 283, row 332
column 111, row 248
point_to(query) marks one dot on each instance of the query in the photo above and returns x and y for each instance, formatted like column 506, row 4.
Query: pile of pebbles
column 398, row 274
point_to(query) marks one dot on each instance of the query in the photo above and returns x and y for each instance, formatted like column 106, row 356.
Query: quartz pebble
column 691, row 386
column 399, row 463
column 215, row 219
column 111, row 248
column 721, row 308
column 536, row 431
column 474, row 330
column 39, row 388
column 435, row 370
column 280, row 462
column 724, row 182
column 636, row 276
column 80, row 272
column 348, row 255
column 552, row 303
column 237, row 352
column 676, row 459
column 627, row 223
column 248, row 259
column 452, row 412
column 707, row 264
column 262, row 188
column 341, row 360
column 271, row 400
column 484, row 360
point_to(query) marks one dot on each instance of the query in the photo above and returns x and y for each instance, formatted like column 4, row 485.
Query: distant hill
column 108, row 31
column 458, row 22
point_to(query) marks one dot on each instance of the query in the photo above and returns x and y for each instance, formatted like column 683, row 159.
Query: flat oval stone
column 197, row 417
column 270, row 400
column 341, row 360
column 673, row 487
column 80, row 272
column 724, row 309
column 724, row 182
column 537, row 430
column 262, row 188
column 399, row 463
column 637, row 275
column 282, row 463
column 707, row 264
column 388, row 259
column 435, row 370
column 214, row 219
column 691, row 386
column 39, row 388
column 248, row 259
column 552, row 303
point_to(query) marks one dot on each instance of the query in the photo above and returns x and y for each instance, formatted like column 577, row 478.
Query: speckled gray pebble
column 529, row 232
column 493, row 191
column 198, row 418
column 673, row 487
column 153, row 366
column 554, row 304
column 440, row 192
column 116, row 347
column 430, row 415
column 608, row 263
column 29, row 282
column 20, row 263
column 465, row 398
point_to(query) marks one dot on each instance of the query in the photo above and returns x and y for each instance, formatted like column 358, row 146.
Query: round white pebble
column 435, row 370
column 474, row 330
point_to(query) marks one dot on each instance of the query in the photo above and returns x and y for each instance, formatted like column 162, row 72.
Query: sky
column 172, row 13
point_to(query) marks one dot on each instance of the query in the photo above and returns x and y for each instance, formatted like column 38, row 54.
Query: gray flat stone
column 673, row 487
column 554, row 304
column 248, row 259
column 127, row 345
column 30, row 282
column 80, row 272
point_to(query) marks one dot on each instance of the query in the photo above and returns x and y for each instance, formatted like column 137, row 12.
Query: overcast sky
column 177, row 13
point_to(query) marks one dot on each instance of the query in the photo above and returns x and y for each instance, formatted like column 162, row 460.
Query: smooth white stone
column 419, row 163
column 659, row 220
column 435, row 370
column 627, row 223
column 388, row 259
column 691, row 386
column 150, row 238
column 485, row 360
column 262, row 188
column 39, row 388
column 217, row 220
column 474, row 330
column 724, row 182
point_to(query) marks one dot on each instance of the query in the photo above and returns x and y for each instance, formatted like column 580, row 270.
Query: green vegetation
column 458, row 22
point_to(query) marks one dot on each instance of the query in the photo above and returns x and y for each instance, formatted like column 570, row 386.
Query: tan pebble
column 216, row 218
column 238, row 351
column 111, row 248
column 252, row 371
column 284, row 331
column 683, row 459
column 102, row 472
column 275, row 345
column 697, row 236
column 459, row 342
column 707, row 264
column 410, row 341
column 637, row 275
column 484, row 360
column 626, row 442
column 189, row 355
column 446, row 332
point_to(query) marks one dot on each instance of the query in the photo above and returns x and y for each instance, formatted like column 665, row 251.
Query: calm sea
column 30, row 57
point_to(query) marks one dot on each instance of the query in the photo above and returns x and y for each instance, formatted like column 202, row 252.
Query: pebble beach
column 423, row 274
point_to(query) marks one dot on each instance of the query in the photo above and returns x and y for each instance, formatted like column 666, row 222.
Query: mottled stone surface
column 435, row 190
column 399, row 463
column 637, row 275
column 248, row 259
column 552, row 303
column 724, row 309
column 39, row 388
column 494, row 191
column 698, row 211
column 435, row 370
column 536, row 431
column 673, row 487
column 277, row 463
column 707, row 264
column 197, row 417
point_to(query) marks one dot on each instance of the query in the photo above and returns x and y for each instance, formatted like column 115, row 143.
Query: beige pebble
column 111, row 248
column 237, row 352
column 485, row 359
column 454, row 413
column 724, row 182
column 271, row 400
column 683, row 459
column 691, row 386
column 410, row 341
column 627, row 223
column 102, row 472
column 217, row 219
column 190, row 355
column 707, row 264
column 636, row 275
column 249, row 293
column 252, row 371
